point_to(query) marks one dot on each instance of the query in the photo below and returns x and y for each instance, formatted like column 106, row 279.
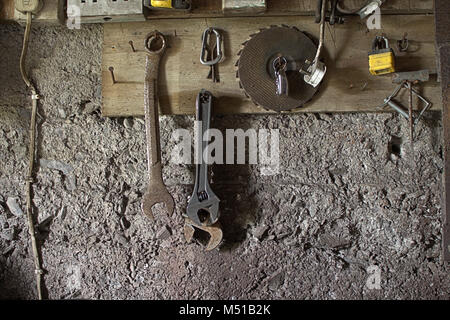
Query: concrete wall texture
column 351, row 197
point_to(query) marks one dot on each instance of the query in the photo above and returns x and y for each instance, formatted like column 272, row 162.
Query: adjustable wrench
column 155, row 46
column 203, row 207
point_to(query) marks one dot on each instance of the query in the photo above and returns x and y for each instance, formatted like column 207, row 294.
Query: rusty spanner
column 203, row 207
column 155, row 46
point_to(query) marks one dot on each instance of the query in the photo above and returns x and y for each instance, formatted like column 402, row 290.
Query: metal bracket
column 391, row 103
column 370, row 8
column 100, row 11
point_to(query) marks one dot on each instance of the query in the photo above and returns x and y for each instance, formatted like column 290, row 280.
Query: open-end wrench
column 203, row 207
column 155, row 46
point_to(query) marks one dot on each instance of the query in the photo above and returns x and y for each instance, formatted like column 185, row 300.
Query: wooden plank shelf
column 213, row 8
column 348, row 86
column 54, row 9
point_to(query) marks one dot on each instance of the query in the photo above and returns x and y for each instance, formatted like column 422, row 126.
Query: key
column 280, row 65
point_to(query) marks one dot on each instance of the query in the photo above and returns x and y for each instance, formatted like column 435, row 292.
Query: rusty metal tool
column 203, row 207
column 407, row 80
column 214, row 231
column 155, row 46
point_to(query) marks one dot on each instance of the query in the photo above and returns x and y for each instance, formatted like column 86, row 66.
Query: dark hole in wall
column 395, row 146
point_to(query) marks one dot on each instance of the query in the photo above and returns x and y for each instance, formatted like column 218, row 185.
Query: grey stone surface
column 350, row 194
column 14, row 206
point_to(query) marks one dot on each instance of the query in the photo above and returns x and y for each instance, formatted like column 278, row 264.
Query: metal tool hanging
column 211, row 54
column 202, row 211
column 315, row 70
column 155, row 46
column 363, row 12
column 406, row 80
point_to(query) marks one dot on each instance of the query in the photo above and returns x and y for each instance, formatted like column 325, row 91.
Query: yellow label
column 161, row 3
column 381, row 63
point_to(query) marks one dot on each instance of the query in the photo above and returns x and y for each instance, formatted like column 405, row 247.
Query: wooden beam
column 442, row 16
column 348, row 86
column 213, row 8
column 6, row 10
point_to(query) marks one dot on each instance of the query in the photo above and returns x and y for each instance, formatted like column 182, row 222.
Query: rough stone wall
column 350, row 194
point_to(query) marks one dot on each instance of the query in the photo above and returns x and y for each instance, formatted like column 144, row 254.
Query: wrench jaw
column 204, row 216
column 156, row 193
column 214, row 231
column 204, row 212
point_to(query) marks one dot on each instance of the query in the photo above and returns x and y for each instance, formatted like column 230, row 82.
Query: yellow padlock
column 161, row 3
column 382, row 57
column 169, row 4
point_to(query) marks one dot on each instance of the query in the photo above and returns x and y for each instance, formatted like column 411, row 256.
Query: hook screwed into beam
column 132, row 46
column 111, row 69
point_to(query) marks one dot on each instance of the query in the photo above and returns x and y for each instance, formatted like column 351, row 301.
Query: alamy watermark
column 374, row 20
column 374, row 280
column 263, row 147
column 73, row 17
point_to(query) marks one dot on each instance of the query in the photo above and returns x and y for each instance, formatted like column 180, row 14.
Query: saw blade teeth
column 244, row 43
column 274, row 26
column 253, row 34
column 240, row 52
column 237, row 74
column 237, row 63
column 295, row 28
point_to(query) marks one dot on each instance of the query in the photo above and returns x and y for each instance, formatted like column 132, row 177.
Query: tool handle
column 203, row 117
column 152, row 112
column 151, row 101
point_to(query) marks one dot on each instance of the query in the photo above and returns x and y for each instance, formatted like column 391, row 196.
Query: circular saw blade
column 255, row 71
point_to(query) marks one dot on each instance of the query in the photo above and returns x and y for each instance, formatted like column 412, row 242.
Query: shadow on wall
column 13, row 89
column 15, row 282
column 232, row 185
